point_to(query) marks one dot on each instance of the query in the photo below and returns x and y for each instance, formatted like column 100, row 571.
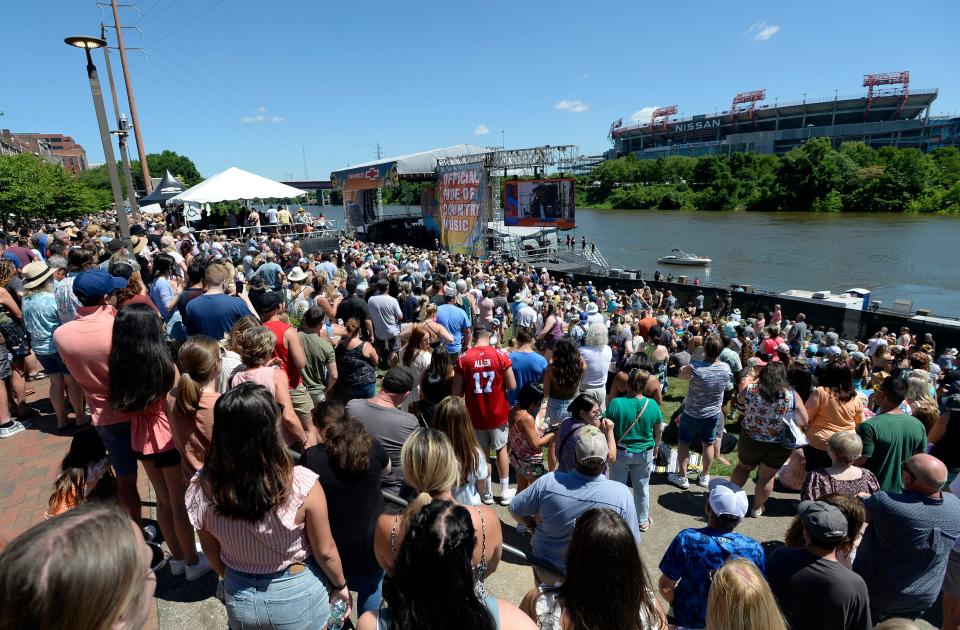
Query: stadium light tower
column 871, row 81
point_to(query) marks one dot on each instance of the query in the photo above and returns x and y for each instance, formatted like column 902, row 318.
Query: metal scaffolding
column 563, row 157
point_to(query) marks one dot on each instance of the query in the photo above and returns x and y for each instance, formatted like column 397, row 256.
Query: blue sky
column 254, row 84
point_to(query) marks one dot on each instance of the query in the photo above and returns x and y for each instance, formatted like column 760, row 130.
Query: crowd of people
column 339, row 423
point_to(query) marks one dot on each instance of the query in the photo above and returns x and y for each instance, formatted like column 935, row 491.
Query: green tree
column 810, row 172
column 861, row 154
column 32, row 187
column 947, row 160
column 180, row 166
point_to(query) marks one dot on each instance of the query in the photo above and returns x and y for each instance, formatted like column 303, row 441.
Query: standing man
column 387, row 424
column 801, row 577
column 702, row 415
column 483, row 376
column 528, row 365
column 891, row 437
column 797, row 335
column 455, row 320
column 84, row 345
column 695, row 554
column 214, row 313
column 386, row 316
column 355, row 307
column 904, row 553
column 271, row 272
column 284, row 217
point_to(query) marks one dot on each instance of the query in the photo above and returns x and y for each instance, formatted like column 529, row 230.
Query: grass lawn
column 676, row 391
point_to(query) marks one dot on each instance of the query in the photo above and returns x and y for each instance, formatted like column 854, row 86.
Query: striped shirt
column 268, row 546
column 707, row 384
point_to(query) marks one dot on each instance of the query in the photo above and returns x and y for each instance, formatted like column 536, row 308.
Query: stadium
column 889, row 113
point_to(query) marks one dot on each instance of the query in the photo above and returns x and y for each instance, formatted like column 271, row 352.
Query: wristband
column 338, row 588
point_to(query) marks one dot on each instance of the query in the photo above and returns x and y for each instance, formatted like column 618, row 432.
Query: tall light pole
column 144, row 168
column 88, row 43
column 122, row 133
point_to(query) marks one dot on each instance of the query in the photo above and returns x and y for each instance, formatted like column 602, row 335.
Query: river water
column 896, row 256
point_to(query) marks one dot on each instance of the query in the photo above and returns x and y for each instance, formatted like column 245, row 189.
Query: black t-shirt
column 354, row 503
column 818, row 594
column 354, row 306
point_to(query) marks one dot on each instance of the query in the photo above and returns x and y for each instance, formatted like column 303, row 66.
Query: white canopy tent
column 233, row 184
column 153, row 208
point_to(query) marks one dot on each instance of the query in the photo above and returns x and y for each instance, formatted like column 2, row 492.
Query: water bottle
column 338, row 615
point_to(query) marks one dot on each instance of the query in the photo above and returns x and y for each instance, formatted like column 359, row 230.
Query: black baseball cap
column 398, row 380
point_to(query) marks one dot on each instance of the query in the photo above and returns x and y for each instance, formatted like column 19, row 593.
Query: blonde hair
column 429, row 465
column 256, row 345
column 198, row 357
column 240, row 326
column 846, row 445
column 740, row 599
column 429, row 310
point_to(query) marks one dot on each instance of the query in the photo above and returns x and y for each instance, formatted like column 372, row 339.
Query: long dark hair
column 838, row 378
column 141, row 370
column 566, row 368
column 432, row 586
column 247, row 471
column 163, row 265
column 772, row 381
column 345, row 438
column 604, row 566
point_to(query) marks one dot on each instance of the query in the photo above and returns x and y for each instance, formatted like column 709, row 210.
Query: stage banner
column 463, row 200
column 539, row 203
column 430, row 209
column 366, row 177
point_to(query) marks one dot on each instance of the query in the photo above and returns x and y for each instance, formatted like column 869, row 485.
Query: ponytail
column 188, row 395
column 419, row 502
column 637, row 380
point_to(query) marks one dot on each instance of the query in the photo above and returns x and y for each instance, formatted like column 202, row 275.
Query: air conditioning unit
column 821, row 295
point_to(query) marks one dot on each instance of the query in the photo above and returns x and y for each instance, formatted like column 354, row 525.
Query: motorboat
column 680, row 257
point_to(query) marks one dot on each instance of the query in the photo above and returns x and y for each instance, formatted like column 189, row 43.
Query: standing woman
column 637, row 428
column 416, row 356
column 190, row 403
column 561, row 380
column 525, row 440
column 350, row 465
column 833, row 406
column 768, row 400
column 597, row 357
column 41, row 318
column 356, row 364
column 328, row 297
column 141, row 375
column 264, row 527
column 17, row 343
column 452, row 418
column 165, row 293
column 552, row 329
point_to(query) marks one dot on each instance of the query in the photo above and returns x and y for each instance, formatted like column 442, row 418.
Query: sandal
column 646, row 525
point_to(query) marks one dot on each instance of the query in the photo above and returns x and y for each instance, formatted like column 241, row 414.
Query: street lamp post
column 88, row 43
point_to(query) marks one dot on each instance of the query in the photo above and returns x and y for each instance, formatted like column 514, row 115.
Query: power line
column 191, row 21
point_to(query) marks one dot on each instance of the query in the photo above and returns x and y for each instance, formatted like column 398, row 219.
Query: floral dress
column 527, row 460
column 763, row 420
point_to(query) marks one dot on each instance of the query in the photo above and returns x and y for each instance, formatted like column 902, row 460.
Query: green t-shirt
column 889, row 440
column 623, row 411
column 320, row 354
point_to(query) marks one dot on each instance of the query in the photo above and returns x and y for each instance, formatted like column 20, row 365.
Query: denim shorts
column 52, row 363
column 116, row 438
column 294, row 598
column 692, row 429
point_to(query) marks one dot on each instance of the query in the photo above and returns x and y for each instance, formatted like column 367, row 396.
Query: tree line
column 813, row 177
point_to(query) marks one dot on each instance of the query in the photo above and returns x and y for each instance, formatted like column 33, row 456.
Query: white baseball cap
column 727, row 499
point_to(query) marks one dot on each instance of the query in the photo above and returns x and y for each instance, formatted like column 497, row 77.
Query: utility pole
column 121, row 132
column 303, row 152
column 379, row 154
column 144, row 169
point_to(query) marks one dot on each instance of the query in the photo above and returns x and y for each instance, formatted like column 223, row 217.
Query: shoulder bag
column 793, row 436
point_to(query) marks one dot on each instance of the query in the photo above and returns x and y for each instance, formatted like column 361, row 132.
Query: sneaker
column 13, row 429
column 506, row 495
column 487, row 499
column 149, row 533
column 201, row 568
column 177, row 566
column 703, row 481
column 756, row 513
column 678, row 481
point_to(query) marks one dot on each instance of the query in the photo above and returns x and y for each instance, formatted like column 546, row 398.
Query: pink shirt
column 272, row 544
column 261, row 376
column 84, row 345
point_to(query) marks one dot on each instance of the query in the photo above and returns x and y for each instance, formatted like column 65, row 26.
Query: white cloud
column 481, row 130
column 643, row 115
column 574, row 107
column 278, row 119
column 262, row 109
column 252, row 119
column 585, row 76
column 762, row 31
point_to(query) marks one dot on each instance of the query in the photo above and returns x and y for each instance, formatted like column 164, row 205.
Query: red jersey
column 482, row 369
column 280, row 351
